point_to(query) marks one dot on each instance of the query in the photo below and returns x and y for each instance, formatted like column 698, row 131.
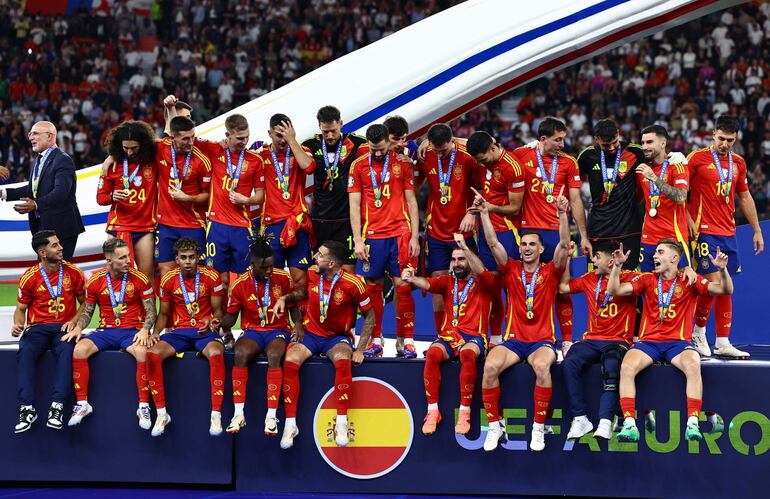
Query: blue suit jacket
column 57, row 208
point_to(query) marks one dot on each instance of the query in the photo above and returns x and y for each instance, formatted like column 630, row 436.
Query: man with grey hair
column 48, row 199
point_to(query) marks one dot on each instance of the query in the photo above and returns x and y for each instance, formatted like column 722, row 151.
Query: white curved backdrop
column 431, row 71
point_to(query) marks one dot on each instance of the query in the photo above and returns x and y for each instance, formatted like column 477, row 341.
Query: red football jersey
column 132, row 313
column 677, row 324
column 474, row 312
column 243, row 300
column 707, row 204
column 34, row 293
column 178, row 213
column 276, row 208
column 348, row 296
column 210, row 284
column 540, row 327
column 443, row 219
column 615, row 321
column 671, row 218
column 252, row 177
column 136, row 213
column 501, row 178
column 537, row 212
column 392, row 218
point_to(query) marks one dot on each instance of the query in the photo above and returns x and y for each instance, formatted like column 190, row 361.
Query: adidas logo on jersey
column 432, row 171
column 596, row 168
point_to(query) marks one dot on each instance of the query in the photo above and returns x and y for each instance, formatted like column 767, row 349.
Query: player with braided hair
column 253, row 295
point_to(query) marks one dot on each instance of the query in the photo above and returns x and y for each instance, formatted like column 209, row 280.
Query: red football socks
column 703, row 309
column 217, row 377
column 343, row 382
column 405, row 311
column 542, row 401
column 628, row 407
column 80, row 375
column 240, row 380
column 467, row 376
column 723, row 315
column 491, row 398
column 274, row 381
column 693, row 407
column 290, row 388
column 432, row 373
column 142, row 384
column 564, row 316
column 155, row 375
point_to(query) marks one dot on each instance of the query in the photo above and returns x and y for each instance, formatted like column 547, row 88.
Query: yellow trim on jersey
column 682, row 241
column 27, row 274
column 99, row 273
column 168, row 275
column 242, row 277
column 208, row 271
column 355, row 280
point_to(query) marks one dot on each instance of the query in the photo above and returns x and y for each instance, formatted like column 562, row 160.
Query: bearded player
column 717, row 174
column 467, row 296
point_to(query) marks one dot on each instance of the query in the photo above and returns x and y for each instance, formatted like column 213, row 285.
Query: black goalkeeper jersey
column 332, row 204
column 621, row 214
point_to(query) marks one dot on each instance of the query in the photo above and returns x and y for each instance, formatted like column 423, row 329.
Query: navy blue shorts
column 187, row 339
column 166, row 236
column 385, row 255
column 227, row 247
column 438, row 254
column 526, row 348
column 297, row 256
column 264, row 338
column 469, row 338
column 707, row 245
column 113, row 338
column 135, row 236
column 663, row 351
column 646, row 264
column 507, row 238
column 322, row 344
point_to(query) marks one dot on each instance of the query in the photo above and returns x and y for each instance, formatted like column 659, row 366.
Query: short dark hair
column 181, row 124
column 259, row 247
column 479, row 143
column 236, row 123
column 328, row 114
column 605, row 129
column 657, row 130
column 337, row 251
column 472, row 249
column 550, row 126
column 111, row 244
column 672, row 243
column 397, row 125
column 605, row 246
column 186, row 244
column 278, row 119
column 728, row 124
column 439, row 134
column 376, row 133
column 41, row 239
column 530, row 232
column 139, row 131
column 180, row 104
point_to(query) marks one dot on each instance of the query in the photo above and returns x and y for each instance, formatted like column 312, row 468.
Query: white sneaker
column 81, row 410
column 143, row 413
column 271, row 426
column 579, row 427
column 732, row 352
column 699, row 341
column 160, row 424
column 341, row 433
column 290, row 432
column 538, row 439
column 495, row 435
column 215, row 428
column 236, row 424
column 649, row 422
column 604, row 430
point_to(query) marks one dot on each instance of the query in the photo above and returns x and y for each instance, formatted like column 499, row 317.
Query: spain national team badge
column 365, row 266
column 147, row 172
column 339, row 295
column 397, row 170
column 622, row 167
column 380, row 430
column 497, row 174
column 458, row 172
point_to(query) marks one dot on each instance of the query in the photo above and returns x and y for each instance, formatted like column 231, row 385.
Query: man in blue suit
column 49, row 196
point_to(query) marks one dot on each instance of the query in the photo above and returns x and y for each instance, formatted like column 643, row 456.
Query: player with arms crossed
column 48, row 298
column 531, row 287
column 191, row 306
column 253, row 295
column 130, row 189
column 467, row 296
column 666, row 331
column 126, row 316
column 334, row 297
column 385, row 221
column 716, row 175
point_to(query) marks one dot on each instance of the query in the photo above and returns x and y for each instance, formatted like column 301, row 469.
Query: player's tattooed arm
column 675, row 194
column 85, row 317
column 365, row 338
column 149, row 309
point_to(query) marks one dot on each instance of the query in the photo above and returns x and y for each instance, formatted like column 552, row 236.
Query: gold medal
column 727, row 199
column 323, row 318
column 262, row 323
column 192, row 321
column 286, row 195
column 549, row 198
column 377, row 203
column 117, row 321
column 530, row 314
column 331, row 185
column 653, row 212
column 444, row 200
column 454, row 322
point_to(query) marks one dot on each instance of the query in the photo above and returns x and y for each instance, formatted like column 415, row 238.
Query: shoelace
column 55, row 413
